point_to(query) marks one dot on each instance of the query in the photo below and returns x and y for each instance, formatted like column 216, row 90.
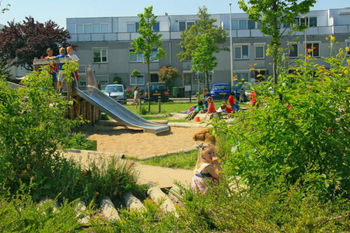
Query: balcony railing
column 173, row 35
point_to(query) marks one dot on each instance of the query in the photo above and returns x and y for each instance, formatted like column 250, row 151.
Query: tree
column 203, row 59
column 148, row 41
column 168, row 74
column 193, row 39
column 272, row 14
column 22, row 42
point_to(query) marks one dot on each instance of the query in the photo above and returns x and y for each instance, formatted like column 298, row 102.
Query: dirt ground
column 136, row 143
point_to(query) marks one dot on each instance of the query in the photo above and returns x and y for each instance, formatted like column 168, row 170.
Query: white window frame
column 91, row 27
column 313, row 42
column 81, row 26
column 134, row 27
column 98, row 26
column 241, row 55
column 256, row 45
column 139, row 57
column 133, row 83
column 186, row 23
column 100, row 48
column 104, row 24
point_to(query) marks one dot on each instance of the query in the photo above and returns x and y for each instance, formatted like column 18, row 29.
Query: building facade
column 104, row 43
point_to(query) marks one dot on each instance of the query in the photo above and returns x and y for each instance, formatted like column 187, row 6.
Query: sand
column 136, row 143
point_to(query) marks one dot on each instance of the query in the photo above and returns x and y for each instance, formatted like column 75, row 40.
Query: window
column 96, row 28
column 259, row 51
column 251, row 24
column 80, row 28
column 243, row 24
column 185, row 25
column 139, row 80
column 135, row 57
column 313, row 49
column 293, row 50
column 156, row 27
column 104, row 27
column 235, row 24
column 100, row 55
column 313, row 22
column 132, row 27
column 308, row 21
column 153, row 58
column 241, row 52
column 304, row 21
column 87, row 28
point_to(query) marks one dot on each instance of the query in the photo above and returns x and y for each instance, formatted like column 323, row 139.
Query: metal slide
column 114, row 109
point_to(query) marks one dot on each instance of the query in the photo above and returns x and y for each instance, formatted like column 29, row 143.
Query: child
column 204, row 136
column 252, row 99
column 222, row 108
column 206, row 168
column 62, row 54
column 136, row 96
column 231, row 102
column 211, row 106
column 199, row 108
column 206, row 94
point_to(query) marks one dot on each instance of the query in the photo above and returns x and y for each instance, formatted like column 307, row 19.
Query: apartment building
column 104, row 43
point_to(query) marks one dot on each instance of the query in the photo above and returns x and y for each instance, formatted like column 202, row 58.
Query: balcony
column 175, row 35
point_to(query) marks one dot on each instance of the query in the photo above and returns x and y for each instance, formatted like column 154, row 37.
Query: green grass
column 180, row 160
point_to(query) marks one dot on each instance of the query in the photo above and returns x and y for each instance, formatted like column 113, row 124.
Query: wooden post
column 159, row 103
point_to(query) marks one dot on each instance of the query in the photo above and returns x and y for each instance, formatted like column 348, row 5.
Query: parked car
column 220, row 91
column 116, row 91
column 158, row 90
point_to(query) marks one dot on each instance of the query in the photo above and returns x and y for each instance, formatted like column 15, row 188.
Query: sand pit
column 136, row 143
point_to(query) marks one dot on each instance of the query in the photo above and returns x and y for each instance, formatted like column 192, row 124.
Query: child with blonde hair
column 206, row 168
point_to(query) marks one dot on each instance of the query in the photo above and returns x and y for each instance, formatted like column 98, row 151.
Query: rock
column 108, row 210
column 133, row 203
column 158, row 197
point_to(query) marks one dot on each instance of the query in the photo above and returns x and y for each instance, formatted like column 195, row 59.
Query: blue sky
column 58, row 11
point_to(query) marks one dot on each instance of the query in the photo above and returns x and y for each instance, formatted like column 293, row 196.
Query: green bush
column 300, row 131
column 21, row 214
column 32, row 126
column 79, row 141
column 225, row 210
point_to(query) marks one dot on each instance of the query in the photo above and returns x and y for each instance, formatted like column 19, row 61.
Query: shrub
column 21, row 214
column 32, row 126
column 300, row 131
column 79, row 141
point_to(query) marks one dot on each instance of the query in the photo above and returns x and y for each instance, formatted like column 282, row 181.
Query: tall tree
column 148, row 41
column 272, row 14
column 22, row 42
column 203, row 59
column 193, row 39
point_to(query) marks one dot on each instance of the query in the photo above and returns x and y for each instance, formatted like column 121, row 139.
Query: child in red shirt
column 211, row 106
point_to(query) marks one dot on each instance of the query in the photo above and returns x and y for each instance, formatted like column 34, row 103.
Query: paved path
column 153, row 175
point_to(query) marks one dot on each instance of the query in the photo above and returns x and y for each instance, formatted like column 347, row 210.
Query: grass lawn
column 168, row 107
column 180, row 160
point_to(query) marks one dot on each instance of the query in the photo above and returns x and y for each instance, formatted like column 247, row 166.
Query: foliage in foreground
column 21, row 214
column 224, row 210
column 32, row 126
column 300, row 132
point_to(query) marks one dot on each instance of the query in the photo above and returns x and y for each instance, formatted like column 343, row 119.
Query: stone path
column 153, row 175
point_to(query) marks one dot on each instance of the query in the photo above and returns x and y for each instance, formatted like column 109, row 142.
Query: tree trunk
column 148, row 85
column 199, row 87
column 207, row 78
